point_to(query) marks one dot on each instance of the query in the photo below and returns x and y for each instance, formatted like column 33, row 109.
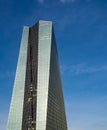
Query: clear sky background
column 81, row 35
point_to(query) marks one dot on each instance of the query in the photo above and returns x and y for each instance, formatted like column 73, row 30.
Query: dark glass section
column 30, row 96
column 56, row 119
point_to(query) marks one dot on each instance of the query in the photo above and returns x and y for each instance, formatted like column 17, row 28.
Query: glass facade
column 44, row 50
column 16, row 107
column 37, row 99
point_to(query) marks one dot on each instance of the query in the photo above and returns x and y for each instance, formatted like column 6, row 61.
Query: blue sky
column 81, row 34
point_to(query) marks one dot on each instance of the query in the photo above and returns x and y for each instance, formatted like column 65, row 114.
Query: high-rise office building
column 37, row 100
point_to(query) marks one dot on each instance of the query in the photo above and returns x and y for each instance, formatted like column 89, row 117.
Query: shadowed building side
column 56, row 119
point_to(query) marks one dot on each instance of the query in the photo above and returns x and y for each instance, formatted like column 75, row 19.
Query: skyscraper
column 37, row 100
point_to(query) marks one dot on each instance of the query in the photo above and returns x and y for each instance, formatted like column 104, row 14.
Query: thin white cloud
column 65, row 1
column 40, row 1
column 88, row 0
column 6, row 74
column 82, row 69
